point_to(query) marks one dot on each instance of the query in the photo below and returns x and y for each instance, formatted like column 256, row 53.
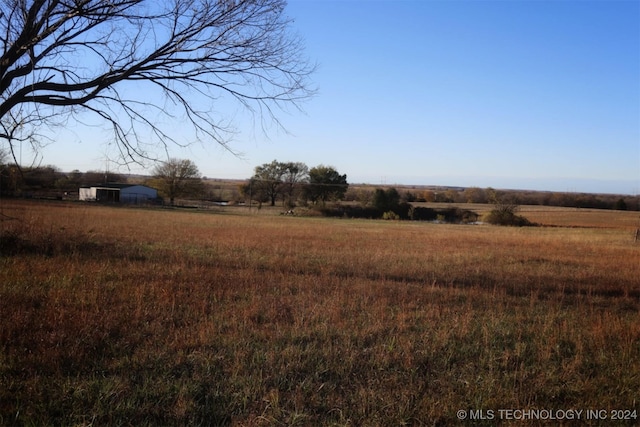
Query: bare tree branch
column 65, row 58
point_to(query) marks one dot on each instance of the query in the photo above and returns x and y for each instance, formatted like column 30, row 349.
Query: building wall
column 109, row 195
column 88, row 194
column 133, row 194
column 137, row 194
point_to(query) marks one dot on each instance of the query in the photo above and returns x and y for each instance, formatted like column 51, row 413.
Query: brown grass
column 117, row 316
column 552, row 216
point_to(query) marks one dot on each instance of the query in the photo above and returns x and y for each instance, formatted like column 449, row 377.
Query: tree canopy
column 386, row 200
column 276, row 179
column 325, row 183
column 177, row 177
column 266, row 183
column 140, row 65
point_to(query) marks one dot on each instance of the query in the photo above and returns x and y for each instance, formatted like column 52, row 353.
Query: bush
column 386, row 200
column 350, row 212
column 419, row 213
column 502, row 217
column 401, row 211
column 453, row 215
column 504, row 212
column 390, row 215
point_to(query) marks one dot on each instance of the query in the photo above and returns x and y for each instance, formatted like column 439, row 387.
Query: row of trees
column 286, row 182
column 290, row 181
column 180, row 178
column 519, row 197
column 48, row 180
column 172, row 178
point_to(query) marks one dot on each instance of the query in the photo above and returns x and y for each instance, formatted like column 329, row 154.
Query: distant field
column 560, row 216
column 542, row 215
column 572, row 217
column 125, row 316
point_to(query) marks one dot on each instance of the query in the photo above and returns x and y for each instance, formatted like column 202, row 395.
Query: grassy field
column 122, row 316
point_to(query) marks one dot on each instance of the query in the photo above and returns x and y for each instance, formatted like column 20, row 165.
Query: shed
column 118, row 193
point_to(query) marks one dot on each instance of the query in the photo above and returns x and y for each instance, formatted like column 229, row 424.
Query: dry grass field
column 123, row 316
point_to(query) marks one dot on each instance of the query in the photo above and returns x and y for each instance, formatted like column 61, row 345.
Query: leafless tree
column 295, row 173
column 177, row 178
column 140, row 66
column 266, row 184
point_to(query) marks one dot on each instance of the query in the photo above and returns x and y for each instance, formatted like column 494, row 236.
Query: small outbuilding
column 118, row 193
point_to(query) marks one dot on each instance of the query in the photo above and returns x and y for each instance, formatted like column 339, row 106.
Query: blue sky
column 510, row 94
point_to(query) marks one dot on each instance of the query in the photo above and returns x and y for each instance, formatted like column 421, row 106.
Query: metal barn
column 118, row 193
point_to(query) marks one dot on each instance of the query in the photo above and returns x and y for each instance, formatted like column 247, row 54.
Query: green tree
column 325, row 183
column 276, row 180
column 266, row 183
column 177, row 178
column 386, row 200
column 620, row 205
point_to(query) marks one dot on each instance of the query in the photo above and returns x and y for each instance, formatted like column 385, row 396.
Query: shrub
column 386, row 200
column 419, row 213
column 504, row 212
column 502, row 217
column 347, row 211
column 453, row 215
column 390, row 215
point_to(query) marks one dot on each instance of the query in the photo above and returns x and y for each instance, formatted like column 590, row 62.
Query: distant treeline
column 50, row 182
column 520, row 197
